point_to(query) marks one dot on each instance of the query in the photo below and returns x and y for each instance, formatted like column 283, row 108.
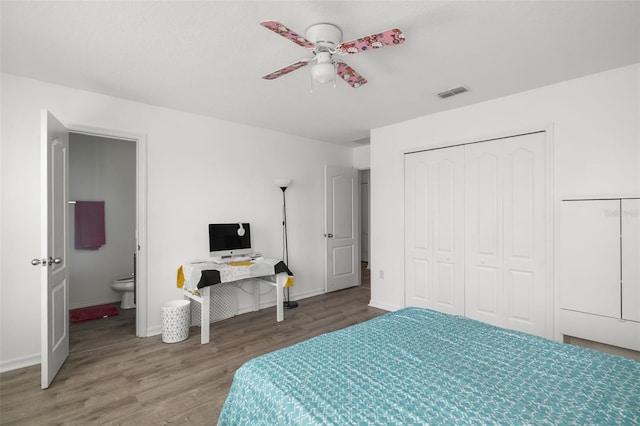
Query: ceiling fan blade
column 285, row 32
column 351, row 77
column 371, row 42
column 286, row 70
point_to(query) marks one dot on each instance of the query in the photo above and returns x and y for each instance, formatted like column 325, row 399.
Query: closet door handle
column 328, row 235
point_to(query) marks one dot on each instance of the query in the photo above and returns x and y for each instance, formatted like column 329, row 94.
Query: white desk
column 260, row 272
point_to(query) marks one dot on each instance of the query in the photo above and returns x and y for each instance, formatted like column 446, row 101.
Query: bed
column 416, row 366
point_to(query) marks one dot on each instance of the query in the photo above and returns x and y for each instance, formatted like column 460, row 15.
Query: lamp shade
column 282, row 182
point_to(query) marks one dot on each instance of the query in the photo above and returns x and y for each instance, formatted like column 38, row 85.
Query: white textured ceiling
column 207, row 57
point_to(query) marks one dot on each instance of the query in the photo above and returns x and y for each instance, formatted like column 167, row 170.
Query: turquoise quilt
column 416, row 366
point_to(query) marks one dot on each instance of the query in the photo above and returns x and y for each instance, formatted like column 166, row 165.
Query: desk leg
column 281, row 278
column 204, row 315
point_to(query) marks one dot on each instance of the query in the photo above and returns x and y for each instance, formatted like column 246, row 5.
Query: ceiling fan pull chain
column 334, row 74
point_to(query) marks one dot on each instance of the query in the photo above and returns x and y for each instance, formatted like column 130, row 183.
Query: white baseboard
column 154, row 331
column 272, row 302
column 384, row 306
column 25, row 361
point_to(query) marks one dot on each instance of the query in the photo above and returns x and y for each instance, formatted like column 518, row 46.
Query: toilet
column 125, row 286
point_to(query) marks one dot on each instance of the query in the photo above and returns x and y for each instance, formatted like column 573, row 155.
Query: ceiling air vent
column 452, row 92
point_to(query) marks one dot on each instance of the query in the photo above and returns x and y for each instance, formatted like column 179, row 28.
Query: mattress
column 417, row 366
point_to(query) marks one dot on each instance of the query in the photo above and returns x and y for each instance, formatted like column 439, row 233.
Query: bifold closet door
column 434, row 230
column 505, row 274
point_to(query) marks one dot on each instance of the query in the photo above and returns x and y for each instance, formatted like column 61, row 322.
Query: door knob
column 44, row 262
column 328, row 235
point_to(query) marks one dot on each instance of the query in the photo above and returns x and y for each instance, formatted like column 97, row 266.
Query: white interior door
column 55, row 276
column 342, row 255
column 364, row 222
column 506, row 233
column 434, row 230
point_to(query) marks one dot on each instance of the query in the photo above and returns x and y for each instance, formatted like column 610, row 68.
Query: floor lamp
column 283, row 184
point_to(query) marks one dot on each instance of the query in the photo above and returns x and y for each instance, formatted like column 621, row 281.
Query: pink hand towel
column 89, row 221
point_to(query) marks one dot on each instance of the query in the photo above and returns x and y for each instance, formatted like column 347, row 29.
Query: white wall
column 102, row 169
column 362, row 157
column 199, row 170
column 596, row 136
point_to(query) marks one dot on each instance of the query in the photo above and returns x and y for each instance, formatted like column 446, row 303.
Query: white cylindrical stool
column 176, row 318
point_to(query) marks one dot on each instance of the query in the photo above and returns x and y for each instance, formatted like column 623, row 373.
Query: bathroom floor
column 90, row 335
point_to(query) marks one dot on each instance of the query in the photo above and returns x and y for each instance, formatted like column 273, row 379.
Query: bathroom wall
column 102, row 169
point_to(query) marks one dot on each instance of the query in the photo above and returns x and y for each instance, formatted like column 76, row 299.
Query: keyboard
column 232, row 259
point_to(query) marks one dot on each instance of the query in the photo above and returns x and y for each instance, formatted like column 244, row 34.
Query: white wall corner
column 384, row 306
column 362, row 157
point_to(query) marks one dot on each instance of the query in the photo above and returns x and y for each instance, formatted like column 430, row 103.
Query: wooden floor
column 113, row 377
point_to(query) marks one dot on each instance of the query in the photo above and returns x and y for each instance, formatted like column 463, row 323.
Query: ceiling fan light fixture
column 325, row 40
column 323, row 72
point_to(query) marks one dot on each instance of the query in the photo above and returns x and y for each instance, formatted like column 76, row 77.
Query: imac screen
column 225, row 239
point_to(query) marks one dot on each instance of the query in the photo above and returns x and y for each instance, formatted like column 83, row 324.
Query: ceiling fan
column 324, row 40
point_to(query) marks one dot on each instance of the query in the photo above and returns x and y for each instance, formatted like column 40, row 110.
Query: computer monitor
column 229, row 239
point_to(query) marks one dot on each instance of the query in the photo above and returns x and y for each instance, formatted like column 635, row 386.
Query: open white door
column 55, row 276
column 342, row 254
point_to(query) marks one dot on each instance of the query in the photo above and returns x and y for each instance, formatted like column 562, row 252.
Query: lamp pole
column 284, row 184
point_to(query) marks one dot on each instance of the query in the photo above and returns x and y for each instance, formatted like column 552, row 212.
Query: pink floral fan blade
column 286, row 70
column 371, row 42
column 285, row 32
column 351, row 77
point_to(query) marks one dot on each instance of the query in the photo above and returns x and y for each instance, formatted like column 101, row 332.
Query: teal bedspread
column 417, row 366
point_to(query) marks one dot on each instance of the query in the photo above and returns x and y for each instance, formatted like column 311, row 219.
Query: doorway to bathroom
column 103, row 176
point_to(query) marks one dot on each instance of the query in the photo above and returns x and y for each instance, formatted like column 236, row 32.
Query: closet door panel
column 448, row 203
column 524, row 233
column 519, row 219
column 446, row 285
column 505, row 246
column 434, row 230
column 631, row 259
column 521, row 297
column 418, row 270
column 418, row 235
column 486, row 187
column 484, row 292
column 590, row 257
column 483, row 283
